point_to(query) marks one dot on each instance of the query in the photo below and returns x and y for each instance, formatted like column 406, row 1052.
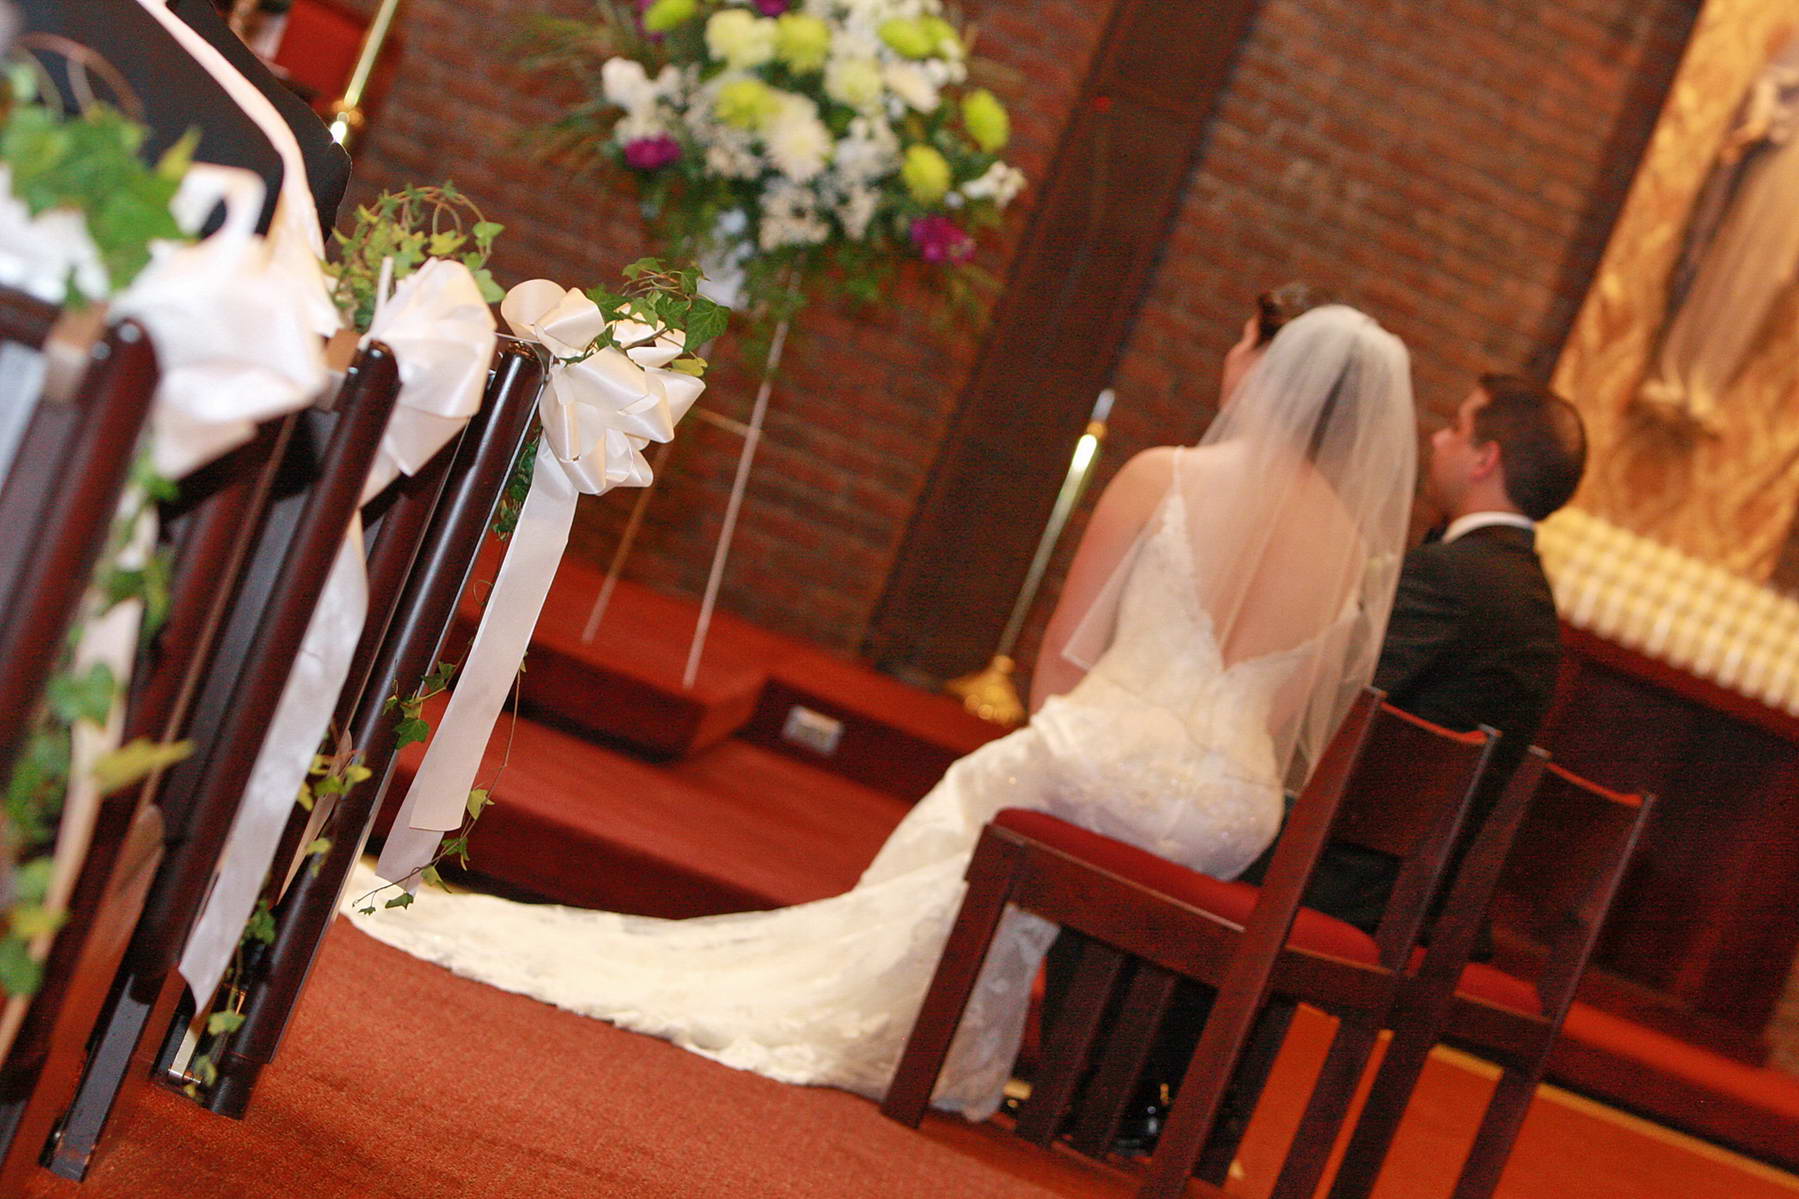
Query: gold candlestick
column 347, row 117
column 989, row 692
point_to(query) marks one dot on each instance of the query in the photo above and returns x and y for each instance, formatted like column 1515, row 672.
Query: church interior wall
column 1454, row 167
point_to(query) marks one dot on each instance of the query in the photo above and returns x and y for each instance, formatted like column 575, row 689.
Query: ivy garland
column 87, row 164
column 41, row 775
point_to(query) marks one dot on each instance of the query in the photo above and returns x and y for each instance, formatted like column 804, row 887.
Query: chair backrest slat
column 58, row 499
column 1396, row 800
column 1563, row 870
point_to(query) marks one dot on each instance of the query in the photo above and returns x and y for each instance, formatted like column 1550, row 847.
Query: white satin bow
column 236, row 328
column 601, row 410
column 442, row 332
column 40, row 254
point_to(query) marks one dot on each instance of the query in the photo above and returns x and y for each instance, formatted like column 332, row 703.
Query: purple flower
column 772, row 8
column 941, row 240
column 652, row 153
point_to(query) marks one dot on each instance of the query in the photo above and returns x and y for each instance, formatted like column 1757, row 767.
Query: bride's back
column 1290, row 566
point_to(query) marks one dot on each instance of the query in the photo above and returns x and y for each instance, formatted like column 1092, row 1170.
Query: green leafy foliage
column 86, row 695
column 90, row 163
column 37, row 786
column 404, row 228
column 20, row 973
column 137, row 759
column 411, row 726
column 667, row 299
column 223, row 1022
column 518, row 486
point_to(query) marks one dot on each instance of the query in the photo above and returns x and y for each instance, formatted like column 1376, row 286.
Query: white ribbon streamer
column 293, row 737
column 598, row 412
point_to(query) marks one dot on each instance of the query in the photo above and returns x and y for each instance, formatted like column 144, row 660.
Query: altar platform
column 776, row 777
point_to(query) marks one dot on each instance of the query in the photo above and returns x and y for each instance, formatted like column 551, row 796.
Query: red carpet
column 401, row 1080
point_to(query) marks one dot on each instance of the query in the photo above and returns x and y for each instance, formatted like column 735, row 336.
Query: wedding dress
column 1162, row 743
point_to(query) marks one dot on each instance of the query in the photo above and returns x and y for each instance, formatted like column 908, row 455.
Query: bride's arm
column 1123, row 509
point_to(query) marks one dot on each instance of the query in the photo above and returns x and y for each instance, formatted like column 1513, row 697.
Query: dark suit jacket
column 1473, row 640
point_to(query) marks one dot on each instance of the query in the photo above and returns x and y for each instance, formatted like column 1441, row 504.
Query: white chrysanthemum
column 1001, row 184
column 641, row 123
column 625, row 84
column 790, row 217
column 944, row 72
column 911, row 85
column 732, row 156
column 798, row 143
column 855, row 210
column 869, row 151
column 854, row 81
column 739, row 38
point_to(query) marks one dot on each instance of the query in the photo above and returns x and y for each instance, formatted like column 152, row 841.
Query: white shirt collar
column 1480, row 520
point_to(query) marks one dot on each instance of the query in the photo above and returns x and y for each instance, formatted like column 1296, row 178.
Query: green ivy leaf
column 31, row 882
column 402, row 900
column 220, row 1023
column 19, row 974
column 31, row 921
column 260, row 927
column 478, row 799
column 136, row 759
column 431, row 878
column 411, row 730
column 318, row 847
column 84, row 696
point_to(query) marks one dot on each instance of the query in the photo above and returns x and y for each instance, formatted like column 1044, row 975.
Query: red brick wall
column 1453, row 165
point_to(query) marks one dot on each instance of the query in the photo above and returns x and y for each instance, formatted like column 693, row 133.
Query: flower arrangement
column 778, row 138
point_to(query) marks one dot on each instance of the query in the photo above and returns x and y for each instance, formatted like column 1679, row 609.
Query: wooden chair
column 62, row 487
column 316, row 488
column 1556, row 881
column 1388, row 781
column 420, row 624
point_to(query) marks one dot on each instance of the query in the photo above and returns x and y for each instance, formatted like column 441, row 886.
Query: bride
column 1225, row 603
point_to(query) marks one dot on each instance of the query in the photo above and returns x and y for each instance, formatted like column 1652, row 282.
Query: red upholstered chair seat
column 1494, row 985
column 1312, row 930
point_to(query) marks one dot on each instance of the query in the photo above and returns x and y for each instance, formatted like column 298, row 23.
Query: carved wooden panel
column 1725, row 496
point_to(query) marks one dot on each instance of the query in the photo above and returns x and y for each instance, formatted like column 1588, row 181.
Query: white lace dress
column 1159, row 745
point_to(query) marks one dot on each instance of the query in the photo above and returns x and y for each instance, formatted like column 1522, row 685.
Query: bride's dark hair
column 1279, row 305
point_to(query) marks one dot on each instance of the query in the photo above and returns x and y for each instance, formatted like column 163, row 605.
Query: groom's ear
column 1485, row 461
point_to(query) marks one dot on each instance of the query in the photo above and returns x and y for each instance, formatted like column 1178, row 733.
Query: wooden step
column 625, row 684
column 863, row 725
column 624, row 687
column 732, row 828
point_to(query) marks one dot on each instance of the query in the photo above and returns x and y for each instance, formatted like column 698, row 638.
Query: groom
column 1472, row 639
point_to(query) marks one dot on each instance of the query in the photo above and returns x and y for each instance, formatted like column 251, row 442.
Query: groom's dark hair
column 1542, row 442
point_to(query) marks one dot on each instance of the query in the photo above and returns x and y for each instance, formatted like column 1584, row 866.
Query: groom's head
column 1514, row 446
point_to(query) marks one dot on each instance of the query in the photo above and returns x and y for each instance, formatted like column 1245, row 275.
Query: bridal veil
column 1297, row 502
